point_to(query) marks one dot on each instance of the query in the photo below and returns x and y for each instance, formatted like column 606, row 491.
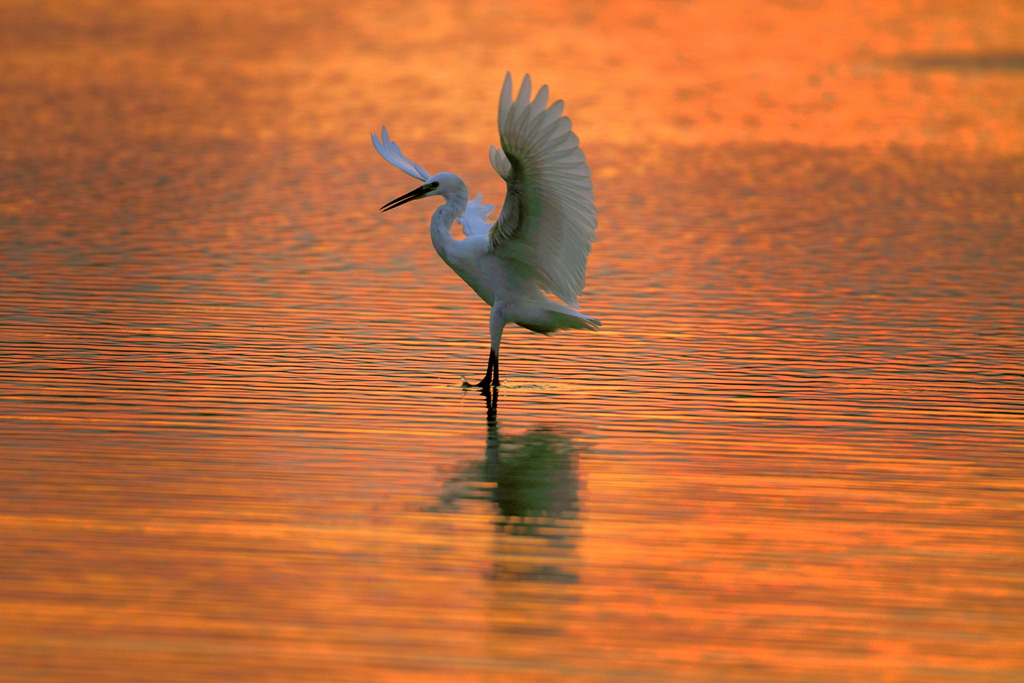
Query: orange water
column 233, row 441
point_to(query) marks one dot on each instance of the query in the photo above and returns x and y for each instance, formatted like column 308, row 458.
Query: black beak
column 405, row 198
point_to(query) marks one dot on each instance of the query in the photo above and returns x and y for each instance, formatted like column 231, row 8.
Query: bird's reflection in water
column 532, row 483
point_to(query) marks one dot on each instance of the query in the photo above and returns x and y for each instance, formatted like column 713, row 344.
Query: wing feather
column 548, row 221
column 393, row 155
column 500, row 163
column 474, row 218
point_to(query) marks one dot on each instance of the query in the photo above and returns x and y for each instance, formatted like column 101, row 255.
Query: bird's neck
column 445, row 215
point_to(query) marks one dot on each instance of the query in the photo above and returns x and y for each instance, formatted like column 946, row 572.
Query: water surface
column 233, row 437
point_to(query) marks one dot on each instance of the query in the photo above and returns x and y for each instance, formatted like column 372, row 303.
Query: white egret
column 542, row 237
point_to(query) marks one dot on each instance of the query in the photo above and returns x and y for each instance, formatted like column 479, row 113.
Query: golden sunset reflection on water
column 233, row 442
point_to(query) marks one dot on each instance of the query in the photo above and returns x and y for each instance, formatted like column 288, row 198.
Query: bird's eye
column 434, row 185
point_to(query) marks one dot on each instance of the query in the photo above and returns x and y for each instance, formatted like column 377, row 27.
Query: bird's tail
column 554, row 316
column 588, row 323
column 570, row 318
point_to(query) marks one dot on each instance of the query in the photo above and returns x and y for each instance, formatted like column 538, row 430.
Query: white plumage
column 474, row 218
column 542, row 237
column 394, row 156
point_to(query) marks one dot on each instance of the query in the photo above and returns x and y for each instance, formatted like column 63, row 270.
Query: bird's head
column 439, row 184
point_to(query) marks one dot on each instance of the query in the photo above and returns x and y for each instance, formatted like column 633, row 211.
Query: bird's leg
column 491, row 378
column 497, row 326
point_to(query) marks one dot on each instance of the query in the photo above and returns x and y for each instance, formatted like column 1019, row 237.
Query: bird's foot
column 482, row 384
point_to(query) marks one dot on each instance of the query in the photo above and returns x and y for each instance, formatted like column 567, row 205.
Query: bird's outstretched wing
column 393, row 155
column 474, row 219
column 549, row 220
